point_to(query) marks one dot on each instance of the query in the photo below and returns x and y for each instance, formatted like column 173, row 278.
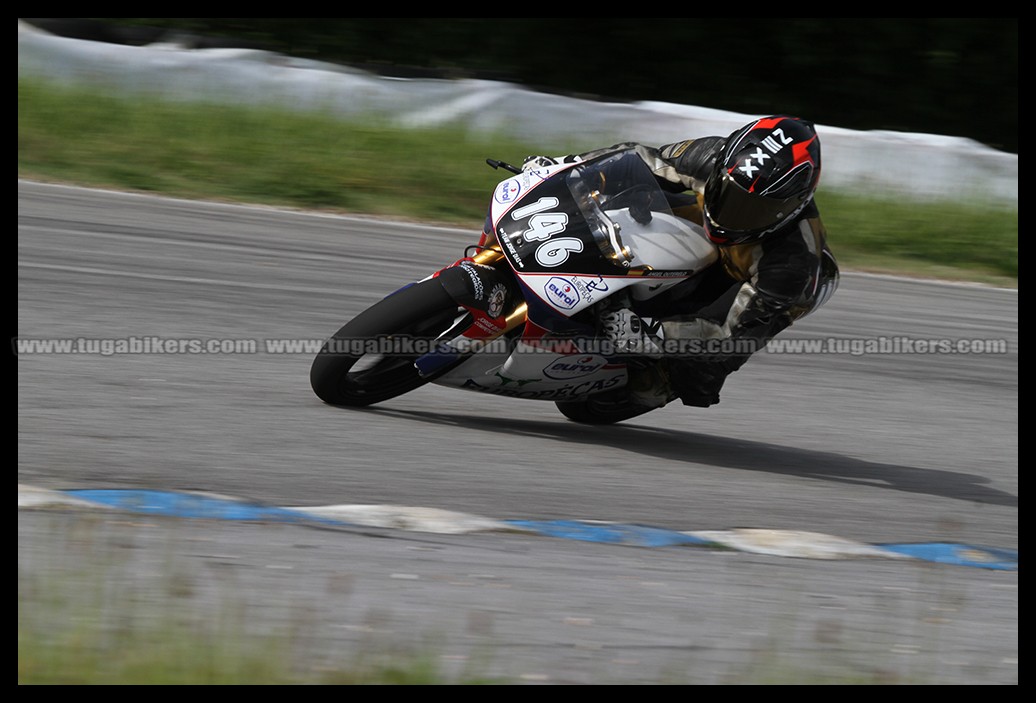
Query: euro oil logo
column 575, row 366
column 561, row 293
column 507, row 192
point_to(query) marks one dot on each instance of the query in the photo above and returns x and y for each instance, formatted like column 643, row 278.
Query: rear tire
column 422, row 311
column 606, row 409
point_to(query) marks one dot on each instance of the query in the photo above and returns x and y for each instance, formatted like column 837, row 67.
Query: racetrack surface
column 875, row 447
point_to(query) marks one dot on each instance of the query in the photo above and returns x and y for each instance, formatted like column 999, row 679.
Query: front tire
column 419, row 312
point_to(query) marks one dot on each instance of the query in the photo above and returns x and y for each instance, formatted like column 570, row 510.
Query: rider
column 752, row 193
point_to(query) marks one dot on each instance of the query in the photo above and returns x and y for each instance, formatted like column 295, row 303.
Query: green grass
column 98, row 607
column 175, row 652
column 959, row 240
column 316, row 161
column 103, row 601
column 253, row 155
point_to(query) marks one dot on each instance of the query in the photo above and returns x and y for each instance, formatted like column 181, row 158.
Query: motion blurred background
column 950, row 76
column 372, row 115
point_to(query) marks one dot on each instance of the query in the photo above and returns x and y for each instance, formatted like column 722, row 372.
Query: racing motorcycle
column 518, row 316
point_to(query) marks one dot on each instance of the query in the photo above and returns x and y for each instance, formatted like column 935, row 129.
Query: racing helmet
column 765, row 175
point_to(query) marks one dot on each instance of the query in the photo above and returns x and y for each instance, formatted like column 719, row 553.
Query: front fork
column 484, row 286
column 492, row 256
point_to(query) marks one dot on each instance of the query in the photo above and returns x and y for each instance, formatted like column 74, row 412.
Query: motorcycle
column 518, row 315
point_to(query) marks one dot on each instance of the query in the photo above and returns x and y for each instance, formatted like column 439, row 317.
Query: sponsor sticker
column 576, row 389
column 497, row 298
column 561, row 293
column 508, row 191
column 574, row 366
column 506, row 239
column 591, row 288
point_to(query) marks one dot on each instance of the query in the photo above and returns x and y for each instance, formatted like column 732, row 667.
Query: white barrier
column 921, row 166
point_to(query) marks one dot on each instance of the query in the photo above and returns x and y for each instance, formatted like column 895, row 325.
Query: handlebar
column 504, row 165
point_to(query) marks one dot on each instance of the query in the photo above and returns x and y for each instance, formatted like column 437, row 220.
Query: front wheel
column 353, row 368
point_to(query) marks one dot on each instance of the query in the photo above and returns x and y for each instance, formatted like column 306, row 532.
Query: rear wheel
column 605, row 409
column 371, row 358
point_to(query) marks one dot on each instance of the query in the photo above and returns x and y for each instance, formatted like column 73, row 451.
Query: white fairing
column 672, row 247
column 666, row 242
column 536, row 374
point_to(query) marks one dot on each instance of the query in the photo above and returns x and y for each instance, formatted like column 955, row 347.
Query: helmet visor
column 734, row 211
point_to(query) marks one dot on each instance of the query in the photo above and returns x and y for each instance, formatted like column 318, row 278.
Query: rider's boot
column 649, row 384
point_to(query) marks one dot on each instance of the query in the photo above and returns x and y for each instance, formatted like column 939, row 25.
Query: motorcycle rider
column 752, row 193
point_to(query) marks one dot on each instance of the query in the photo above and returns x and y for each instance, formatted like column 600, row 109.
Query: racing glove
column 534, row 162
column 632, row 335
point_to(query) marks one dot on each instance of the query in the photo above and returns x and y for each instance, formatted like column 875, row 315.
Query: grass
column 103, row 601
column 252, row 155
column 98, row 607
column 316, row 161
column 175, row 652
column 956, row 240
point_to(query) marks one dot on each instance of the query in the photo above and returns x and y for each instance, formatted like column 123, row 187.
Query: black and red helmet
column 766, row 174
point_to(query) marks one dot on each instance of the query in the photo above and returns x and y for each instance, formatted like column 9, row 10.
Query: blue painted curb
column 191, row 505
column 960, row 554
column 187, row 505
column 635, row 535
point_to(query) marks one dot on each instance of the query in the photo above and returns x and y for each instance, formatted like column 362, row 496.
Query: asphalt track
column 884, row 448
